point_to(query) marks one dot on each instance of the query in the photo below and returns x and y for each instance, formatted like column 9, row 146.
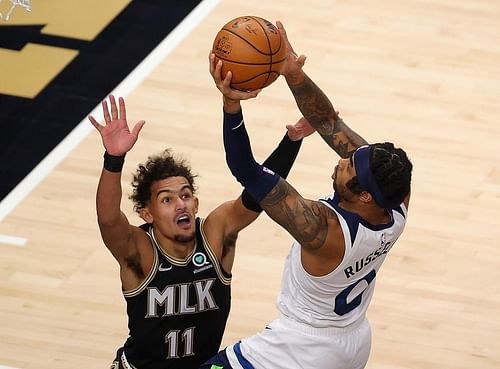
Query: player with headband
column 340, row 241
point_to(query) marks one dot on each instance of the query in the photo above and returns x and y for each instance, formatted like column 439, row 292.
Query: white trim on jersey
column 152, row 272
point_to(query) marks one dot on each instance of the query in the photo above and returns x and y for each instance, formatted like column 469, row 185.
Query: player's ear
column 146, row 215
column 365, row 197
column 196, row 204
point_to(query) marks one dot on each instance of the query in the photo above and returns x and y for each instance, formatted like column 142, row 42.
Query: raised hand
column 115, row 133
column 232, row 97
column 292, row 68
column 299, row 130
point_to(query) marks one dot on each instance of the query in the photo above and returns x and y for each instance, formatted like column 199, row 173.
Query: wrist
column 296, row 78
column 231, row 106
column 291, row 139
column 113, row 163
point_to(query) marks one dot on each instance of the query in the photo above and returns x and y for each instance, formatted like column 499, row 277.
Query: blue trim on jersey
column 353, row 220
column 243, row 362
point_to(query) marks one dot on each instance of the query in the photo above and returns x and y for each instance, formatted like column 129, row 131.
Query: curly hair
column 156, row 168
column 391, row 169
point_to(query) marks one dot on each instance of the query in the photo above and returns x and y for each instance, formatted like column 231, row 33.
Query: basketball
column 251, row 48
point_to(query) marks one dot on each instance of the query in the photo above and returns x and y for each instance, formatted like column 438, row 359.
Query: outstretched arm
column 304, row 219
column 238, row 214
column 315, row 105
column 117, row 139
column 231, row 217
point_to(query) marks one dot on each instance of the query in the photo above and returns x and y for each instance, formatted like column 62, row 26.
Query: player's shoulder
column 327, row 210
column 143, row 237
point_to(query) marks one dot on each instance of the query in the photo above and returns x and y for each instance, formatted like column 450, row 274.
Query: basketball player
column 340, row 241
column 175, row 269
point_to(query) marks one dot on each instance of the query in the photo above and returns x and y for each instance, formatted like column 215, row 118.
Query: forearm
column 108, row 198
column 319, row 111
column 280, row 161
column 258, row 180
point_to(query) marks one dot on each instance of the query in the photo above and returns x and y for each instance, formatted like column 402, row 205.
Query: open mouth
column 184, row 221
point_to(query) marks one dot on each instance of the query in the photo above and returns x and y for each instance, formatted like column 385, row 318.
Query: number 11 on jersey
column 172, row 341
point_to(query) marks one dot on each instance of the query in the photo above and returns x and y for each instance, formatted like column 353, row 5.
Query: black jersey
column 178, row 314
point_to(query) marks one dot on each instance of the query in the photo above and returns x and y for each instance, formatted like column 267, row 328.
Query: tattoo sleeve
column 319, row 111
column 305, row 220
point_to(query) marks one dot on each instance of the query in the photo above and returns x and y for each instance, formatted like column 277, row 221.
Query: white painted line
column 123, row 89
column 12, row 240
column 7, row 367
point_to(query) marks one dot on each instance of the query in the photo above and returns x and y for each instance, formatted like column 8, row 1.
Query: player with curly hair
column 175, row 269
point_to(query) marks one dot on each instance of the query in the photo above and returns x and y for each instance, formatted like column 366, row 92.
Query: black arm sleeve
column 280, row 161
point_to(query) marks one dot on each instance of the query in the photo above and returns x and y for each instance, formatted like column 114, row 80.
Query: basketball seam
column 255, row 76
column 246, row 63
column 241, row 38
column 270, row 50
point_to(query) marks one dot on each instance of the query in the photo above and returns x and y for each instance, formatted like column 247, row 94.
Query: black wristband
column 113, row 163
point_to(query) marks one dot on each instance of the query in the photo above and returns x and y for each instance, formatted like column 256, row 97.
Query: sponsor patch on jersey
column 200, row 260
column 199, row 270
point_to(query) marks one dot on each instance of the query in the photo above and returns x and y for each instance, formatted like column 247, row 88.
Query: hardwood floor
column 424, row 74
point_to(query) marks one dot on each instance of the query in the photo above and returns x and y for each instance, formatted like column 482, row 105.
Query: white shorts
column 286, row 344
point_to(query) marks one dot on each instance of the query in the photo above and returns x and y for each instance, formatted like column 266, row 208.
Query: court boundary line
column 71, row 141
column 13, row 241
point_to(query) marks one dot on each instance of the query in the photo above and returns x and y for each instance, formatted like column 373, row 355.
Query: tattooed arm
column 319, row 111
column 305, row 220
column 315, row 105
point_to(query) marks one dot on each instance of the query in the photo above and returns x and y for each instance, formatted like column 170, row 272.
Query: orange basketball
column 251, row 48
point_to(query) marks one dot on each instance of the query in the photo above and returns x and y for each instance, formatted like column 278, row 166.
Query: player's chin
column 185, row 237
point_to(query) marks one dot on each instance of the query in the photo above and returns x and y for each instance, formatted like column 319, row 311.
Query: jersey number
column 172, row 341
column 342, row 307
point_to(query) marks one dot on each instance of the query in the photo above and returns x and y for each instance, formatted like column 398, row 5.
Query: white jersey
column 322, row 323
column 341, row 297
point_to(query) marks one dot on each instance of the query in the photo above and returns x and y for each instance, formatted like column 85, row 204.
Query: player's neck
column 373, row 214
column 174, row 248
column 179, row 250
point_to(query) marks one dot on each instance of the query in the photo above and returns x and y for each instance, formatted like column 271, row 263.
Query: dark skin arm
column 306, row 220
column 315, row 105
column 128, row 244
column 319, row 111
column 309, row 222
column 317, row 108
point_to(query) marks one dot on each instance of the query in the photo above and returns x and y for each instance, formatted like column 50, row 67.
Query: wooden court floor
column 424, row 74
